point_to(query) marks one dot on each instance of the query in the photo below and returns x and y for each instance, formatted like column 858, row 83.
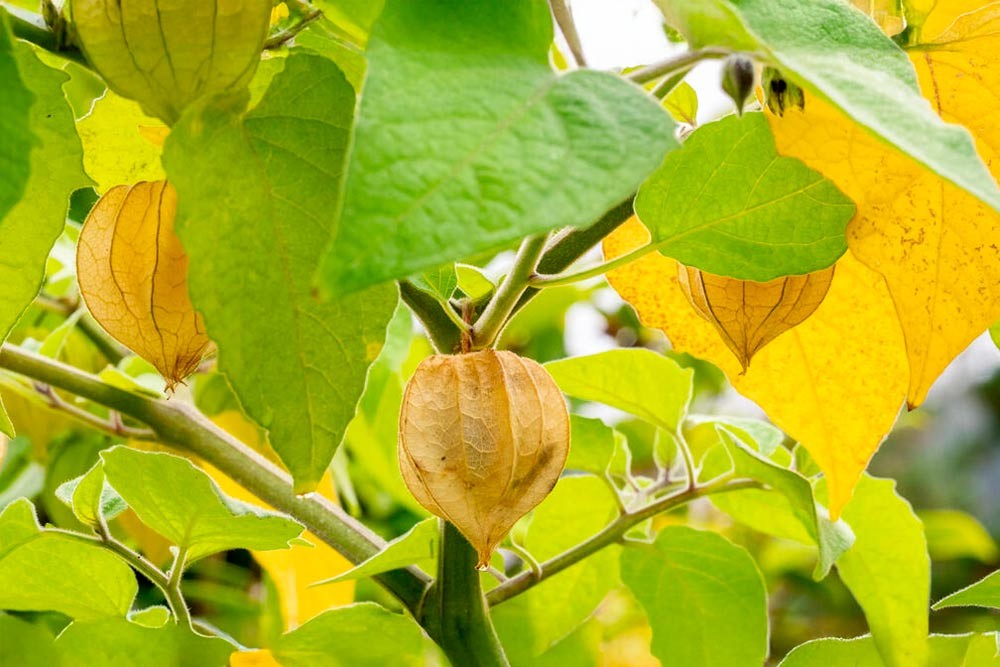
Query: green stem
column 443, row 331
column 489, row 325
column 184, row 427
column 175, row 597
column 613, row 533
column 594, row 271
column 31, row 28
column 288, row 34
column 683, row 61
column 564, row 19
column 456, row 615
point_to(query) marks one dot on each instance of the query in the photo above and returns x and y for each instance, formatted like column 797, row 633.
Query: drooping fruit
column 167, row 53
column 483, row 437
column 749, row 315
column 132, row 272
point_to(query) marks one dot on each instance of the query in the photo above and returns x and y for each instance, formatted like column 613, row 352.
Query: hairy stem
column 489, row 325
column 681, row 62
column 613, row 533
column 187, row 429
column 455, row 614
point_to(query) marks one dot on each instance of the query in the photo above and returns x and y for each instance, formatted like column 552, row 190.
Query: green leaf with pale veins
column 91, row 497
column 887, row 570
column 32, row 225
column 418, row 546
column 15, row 124
column 359, row 635
column 835, row 52
column 182, row 503
column 983, row 593
column 704, row 597
column 466, row 140
column 592, row 445
column 44, row 571
column 254, row 232
column 641, row 382
column 832, row 538
column 727, row 203
column 117, row 642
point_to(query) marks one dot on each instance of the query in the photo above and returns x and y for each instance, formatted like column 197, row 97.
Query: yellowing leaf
column 749, row 315
column 835, row 382
column 133, row 275
column 115, row 144
column 262, row 658
column 937, row 246
column 293, row 569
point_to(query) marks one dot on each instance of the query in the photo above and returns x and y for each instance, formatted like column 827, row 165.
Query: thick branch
column 184, row 427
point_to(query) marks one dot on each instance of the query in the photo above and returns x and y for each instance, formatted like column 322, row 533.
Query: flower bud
column 780, row 93
column 132, row 272
column 483, row 437
column 749, row 315
column 738, row 79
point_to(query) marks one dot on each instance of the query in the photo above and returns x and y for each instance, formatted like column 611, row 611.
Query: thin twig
column 112, row 426
column 173, row 592
column 676, row 63
column 498, row 311
column 540, row 281
column 613, row 533
column 288, row 34
column 564, row 19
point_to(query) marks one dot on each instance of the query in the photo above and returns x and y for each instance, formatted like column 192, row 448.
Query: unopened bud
column 738, row 80
column 780, row 93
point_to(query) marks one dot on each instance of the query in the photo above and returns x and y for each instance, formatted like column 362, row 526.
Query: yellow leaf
column 253, row 659
column 749, row 315
column 115, row 144
column 293, row 569
column 835, row 382
column 937, row 246
column 133, row 275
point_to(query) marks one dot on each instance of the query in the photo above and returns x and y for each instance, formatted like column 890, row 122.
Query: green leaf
column 360, row 635
column 832, row 538
column 641, row 382
column 955, row 534
column 473, row 282
column 837, row 53
column 727, row 203
column 592, row 445
column 91, row 497
column 704, row 597
column 254, row 232
column 15, row 124
column 43, row 571
column 682, row 103
column 983, row 593
column 440, row 282
column 888, row 570
column 31, row 226
column 120, row 643
column 151, row 617
column 764, row 435
column 417, row 546
column 490, row 145
column 995, row 334
column 537, row 620
column 24, row 644
column 20, row 475
column 115, row 151
column 201, row 520
column 943, row 650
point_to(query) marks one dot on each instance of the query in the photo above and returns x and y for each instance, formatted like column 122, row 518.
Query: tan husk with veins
column 483, row 437
column 748, row 315
column 133, row 276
